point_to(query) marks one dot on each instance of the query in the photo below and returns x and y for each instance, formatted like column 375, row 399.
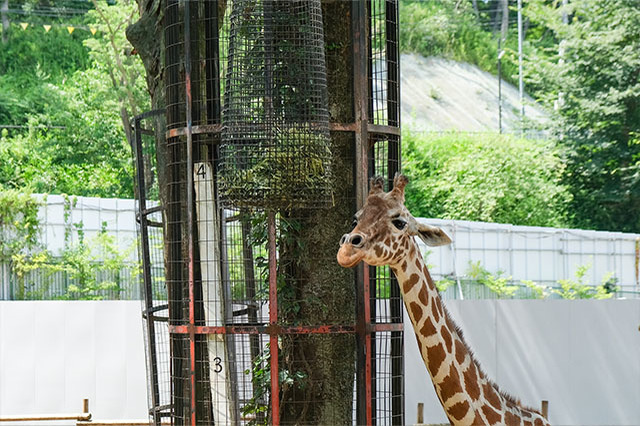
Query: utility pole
column 4, row 9
column 500, row 54
column 520, row 76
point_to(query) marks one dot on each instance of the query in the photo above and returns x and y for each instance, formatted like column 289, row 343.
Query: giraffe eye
column 399, row 223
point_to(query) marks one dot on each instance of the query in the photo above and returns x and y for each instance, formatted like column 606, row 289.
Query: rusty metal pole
column 273, row 321
column 190, row 213
column 359, row 23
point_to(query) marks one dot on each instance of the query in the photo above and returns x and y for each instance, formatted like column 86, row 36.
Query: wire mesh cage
column 242, row 304
column 275, row 140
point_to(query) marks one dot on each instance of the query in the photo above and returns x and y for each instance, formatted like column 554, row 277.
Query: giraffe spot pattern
column 408, row 285
column 428, row 329
column 404, row 266
column 418, row 263
column 446, row 336
column 378, row 250
column 461, row 351
column 511, row 419
column 538, row 422
column 436, row 313
column 459, row 410
column 423, row 295
column 451, row 384
column 491, row 395
column 416, row 310
column 492, row 416
column 471, row 381
column 527, row 423
column 435, row 357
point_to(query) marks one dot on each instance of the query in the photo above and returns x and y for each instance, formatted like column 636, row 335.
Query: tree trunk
column 324, row 290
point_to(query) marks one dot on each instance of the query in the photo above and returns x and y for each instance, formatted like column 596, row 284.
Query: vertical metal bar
column 190, row 213
column 359, row 25
column 146, row 273
column 273, row 320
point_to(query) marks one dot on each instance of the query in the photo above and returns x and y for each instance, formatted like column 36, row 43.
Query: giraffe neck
column 466, row 394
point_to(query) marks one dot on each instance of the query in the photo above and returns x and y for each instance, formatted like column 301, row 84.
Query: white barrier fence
column 542, row 255
column 581, row 356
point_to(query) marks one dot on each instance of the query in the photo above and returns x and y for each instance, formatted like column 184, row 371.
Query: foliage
column 594, row 83
column 93, row 265
column 488, row 177
column 576, row 289
column 76, row 139
column 260, row 373
column 495, row 282
column 19, row 224
column 537, row 291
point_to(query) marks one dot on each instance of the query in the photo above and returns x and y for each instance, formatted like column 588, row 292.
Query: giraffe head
column 384, row 229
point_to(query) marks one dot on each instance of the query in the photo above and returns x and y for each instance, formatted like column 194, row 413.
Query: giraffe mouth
column 348, row 257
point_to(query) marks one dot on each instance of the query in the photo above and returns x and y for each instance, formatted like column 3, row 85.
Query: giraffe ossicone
column 383, row 234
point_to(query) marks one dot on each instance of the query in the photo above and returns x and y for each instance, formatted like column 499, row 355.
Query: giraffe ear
column 377, row 185
column 432, row 236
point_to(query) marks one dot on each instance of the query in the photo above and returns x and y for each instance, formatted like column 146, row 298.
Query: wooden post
column 545, row 409
column 85, row 405
column 420, row 413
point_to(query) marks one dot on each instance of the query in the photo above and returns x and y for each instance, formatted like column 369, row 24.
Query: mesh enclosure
column 275, row 139
column 244, row 326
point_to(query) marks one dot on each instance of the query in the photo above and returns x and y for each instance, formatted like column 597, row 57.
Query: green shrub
column 484, row 177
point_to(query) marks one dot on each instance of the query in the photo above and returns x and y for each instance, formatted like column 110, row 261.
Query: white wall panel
column 581, row 356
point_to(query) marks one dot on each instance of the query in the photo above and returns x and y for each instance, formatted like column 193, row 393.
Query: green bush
column 484, row 177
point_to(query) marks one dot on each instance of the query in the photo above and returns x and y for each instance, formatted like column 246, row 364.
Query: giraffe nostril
column 344, row 239
column 357, row 240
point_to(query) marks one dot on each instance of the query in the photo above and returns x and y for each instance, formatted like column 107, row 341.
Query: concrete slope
column 440, row 94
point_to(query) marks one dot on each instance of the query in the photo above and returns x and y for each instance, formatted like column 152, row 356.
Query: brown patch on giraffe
column 471, row 381
column 435, row 357
column 378, row 249
column 491, row 395
column 418, row 263
column 527, row 423
column 493, row 417
column 428, row 328
column 459, row 410
column 451, row 384
column 404, row 266
column 446, row 336
column 511, row 419
column 423, row 296
column 416, row 310
column 538, row 422
column 436, row 313
column 387, row 241
column 461, row 351
column 408, row 285
column 395, row 245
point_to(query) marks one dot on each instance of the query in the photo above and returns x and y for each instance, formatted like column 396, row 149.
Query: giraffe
column 383, row 235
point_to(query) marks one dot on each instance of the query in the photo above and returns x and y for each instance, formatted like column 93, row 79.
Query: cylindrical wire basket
column 275, row 150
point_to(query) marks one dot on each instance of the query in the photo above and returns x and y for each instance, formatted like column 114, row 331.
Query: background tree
column 596, row 90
